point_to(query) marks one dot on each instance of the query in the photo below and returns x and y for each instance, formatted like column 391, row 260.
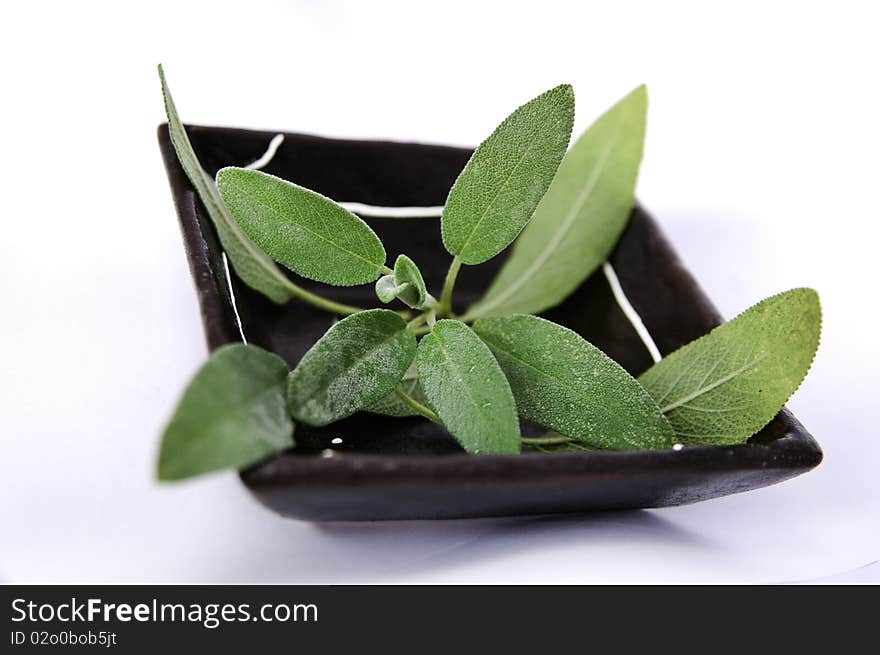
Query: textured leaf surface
column 387, row 288
column 392, row 405
column 231, row 415
column 406, row 272
column 305, row 231
column 727, row 385
column 498, row 190
column 466, row 388
column 405, row 282
column 356, row 363
column 579, row 220
column 253, row 266
column 564, row 383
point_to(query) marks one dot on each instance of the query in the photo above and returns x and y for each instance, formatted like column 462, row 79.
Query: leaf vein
column 701, row 391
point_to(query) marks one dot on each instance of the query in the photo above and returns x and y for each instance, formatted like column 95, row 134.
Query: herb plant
column 476, row 374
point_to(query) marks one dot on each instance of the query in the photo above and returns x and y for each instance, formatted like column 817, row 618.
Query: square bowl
column 371, row 467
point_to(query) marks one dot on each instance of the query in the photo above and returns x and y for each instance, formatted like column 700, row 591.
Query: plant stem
column 416, row 406
column 422, row 330
column 445, row 308
column 320, row 302
column 417, row 321
column 555, row 440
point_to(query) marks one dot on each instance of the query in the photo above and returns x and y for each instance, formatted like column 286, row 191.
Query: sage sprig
column 477, row 374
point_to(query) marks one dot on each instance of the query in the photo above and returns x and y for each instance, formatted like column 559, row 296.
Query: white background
column 761, row 163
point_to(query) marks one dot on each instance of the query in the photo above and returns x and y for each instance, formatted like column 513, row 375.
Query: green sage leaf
column 466, row 388
column 305, row 231
column 725, row 386
column 498, row 190
column 579, row 220
column 406, row 272
column 392, row 405
column 252, row 265
column 405, row 283
column 387, row 288
column 231, row 415
column 356, row 363
column 566, row 384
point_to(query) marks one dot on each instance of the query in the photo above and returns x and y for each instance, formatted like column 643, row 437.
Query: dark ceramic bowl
column 409, row 468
